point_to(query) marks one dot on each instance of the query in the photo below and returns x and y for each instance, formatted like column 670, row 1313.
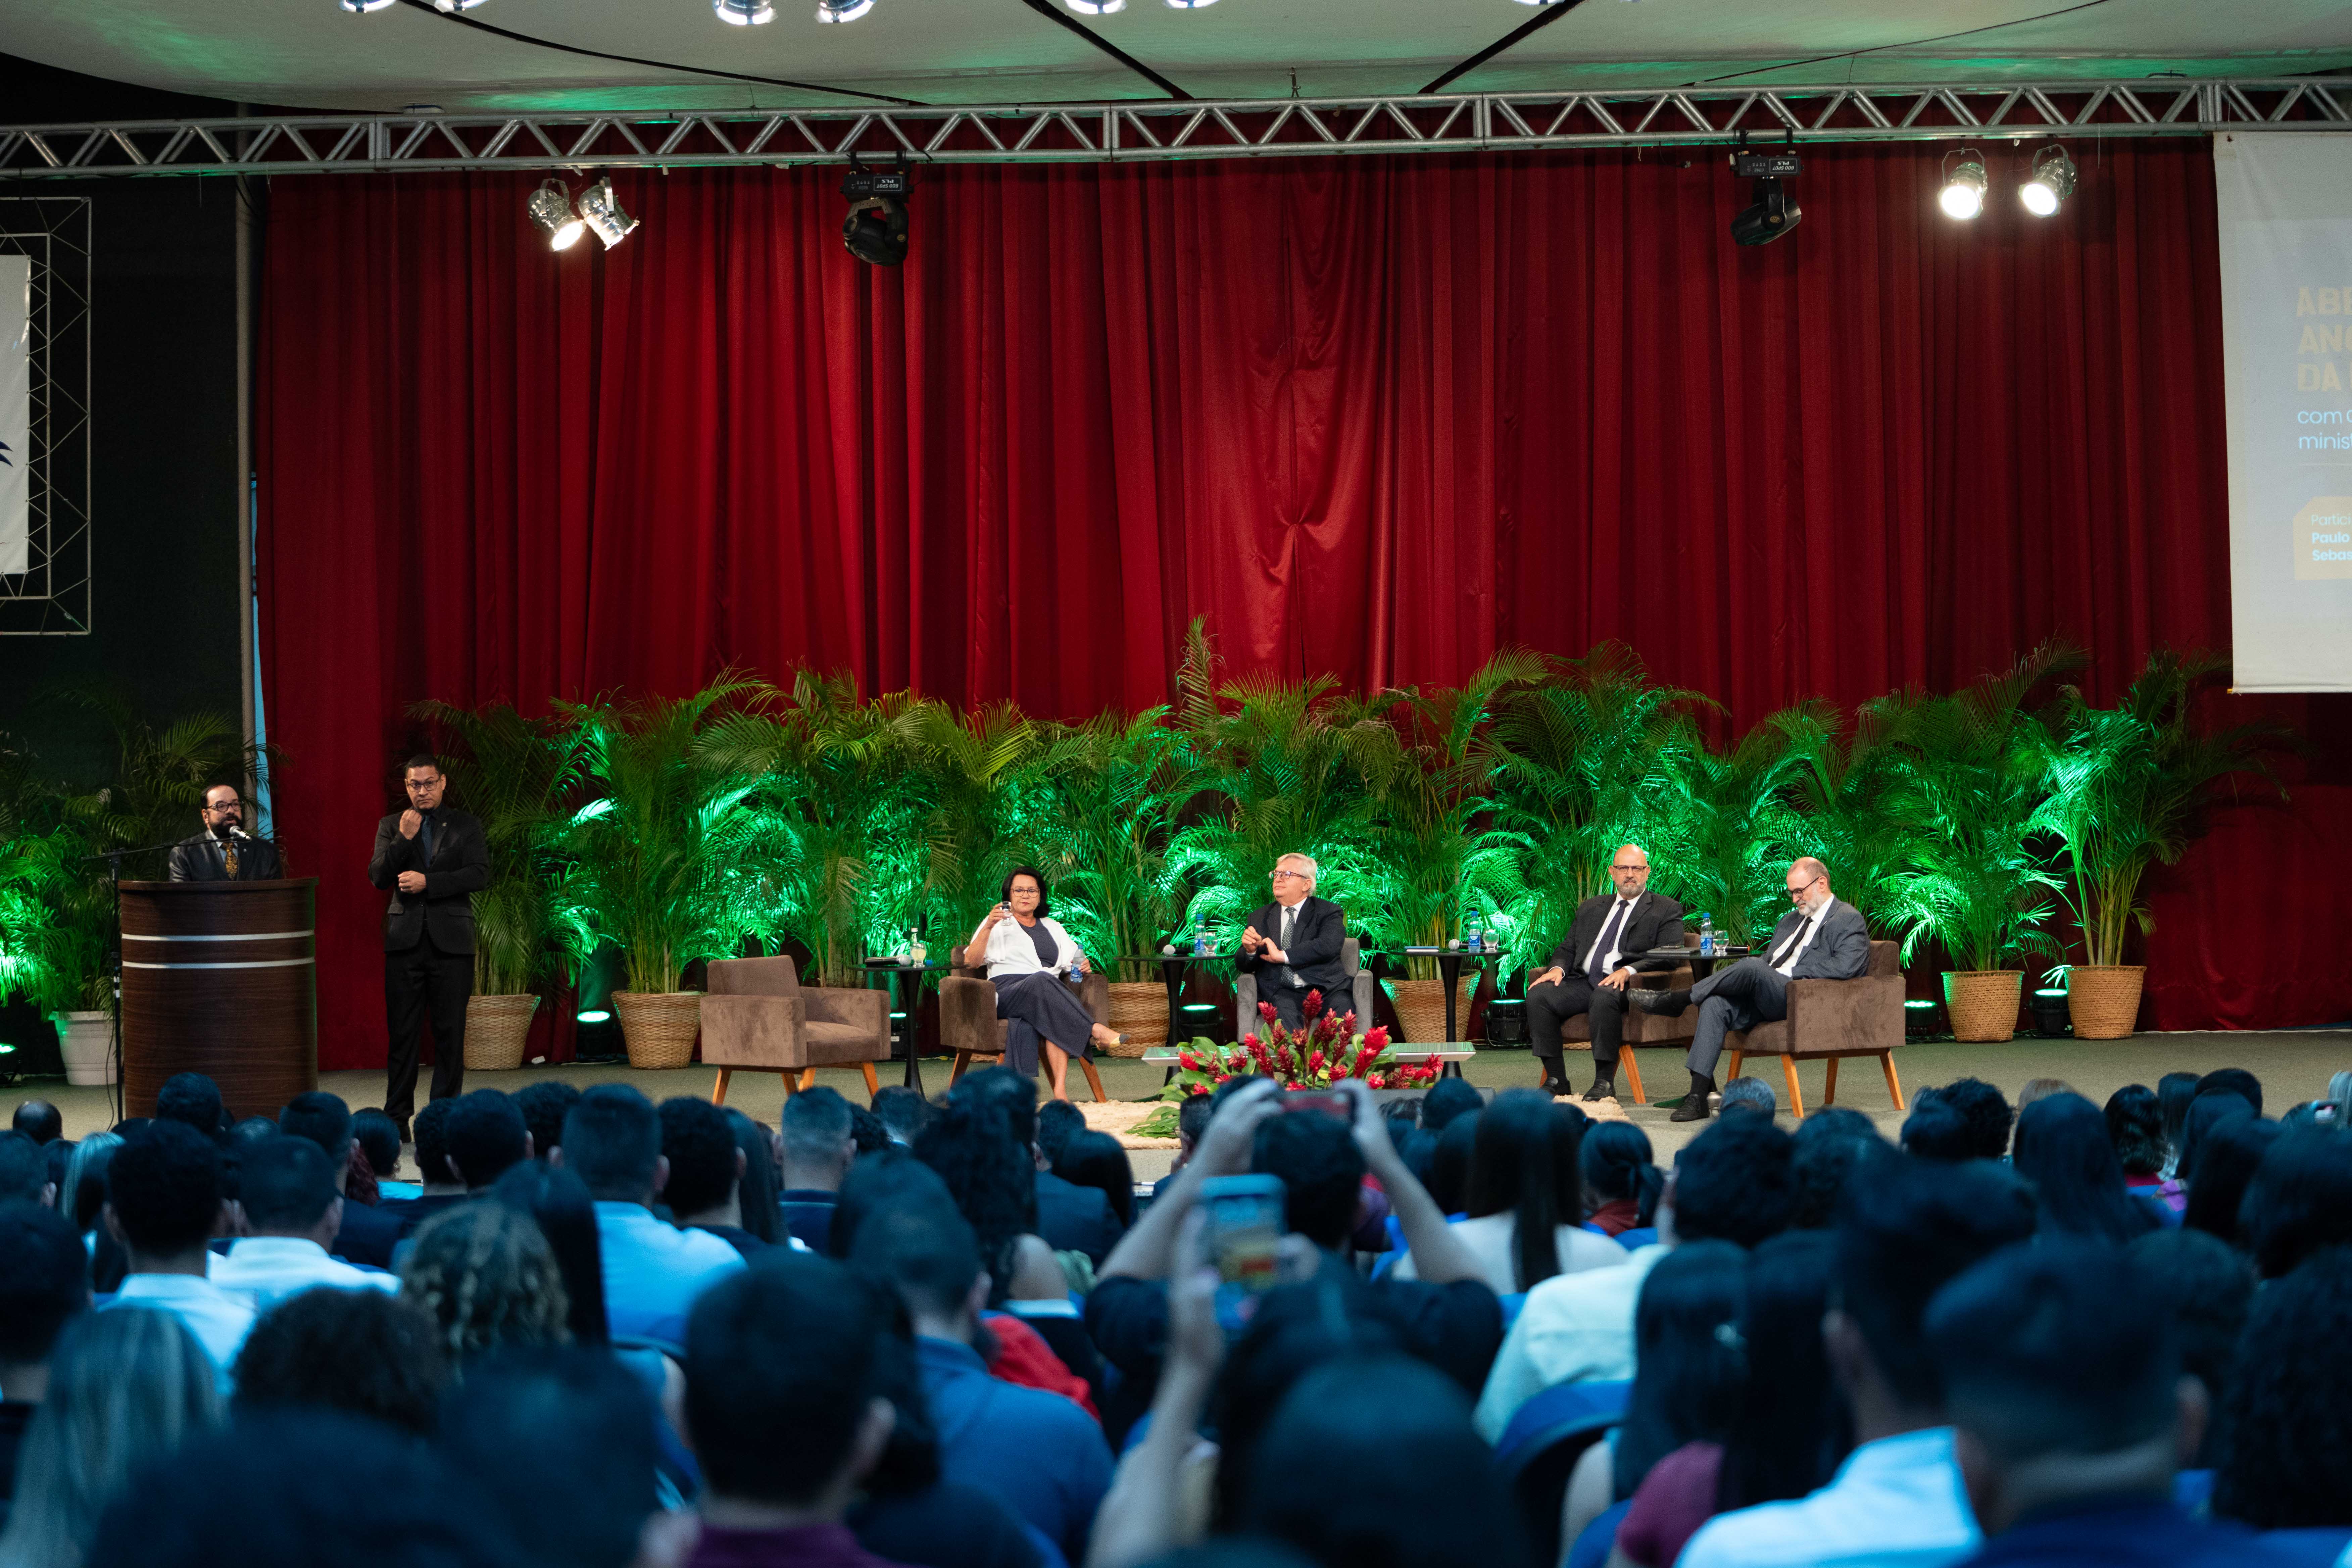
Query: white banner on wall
column 2285, row 209
column 16, row 412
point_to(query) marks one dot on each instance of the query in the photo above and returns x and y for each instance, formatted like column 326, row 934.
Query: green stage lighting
column 596, row 1015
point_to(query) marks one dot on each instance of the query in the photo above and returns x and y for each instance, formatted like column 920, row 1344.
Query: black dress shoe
column 1694, row 1105
column 1602, row 1088
column 1555, row 1087
column 1665, row 1004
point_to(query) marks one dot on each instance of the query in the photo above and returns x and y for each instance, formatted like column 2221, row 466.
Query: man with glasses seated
column 1819, row 938
column 222, row 852
column 1292, row 945
column 1591, row 967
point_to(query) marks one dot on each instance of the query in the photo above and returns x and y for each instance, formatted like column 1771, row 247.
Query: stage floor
column 2293, row 1065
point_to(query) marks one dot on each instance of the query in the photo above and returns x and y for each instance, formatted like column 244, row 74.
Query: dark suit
column 1654, row 920
column 1317, row 931
column 1751, row 992
column 201, row 858
column 368, row 1235
column 1072, row 1218
column 428, row 947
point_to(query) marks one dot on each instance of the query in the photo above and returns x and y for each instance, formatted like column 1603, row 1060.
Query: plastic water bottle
column 1706, row 935
column 1474, row 933
column 1201, row 939
column 1077, row 974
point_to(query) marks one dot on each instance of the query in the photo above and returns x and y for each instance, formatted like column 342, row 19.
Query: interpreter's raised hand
column 1225, row 1148
column 411, row 821
column 1195, row 1340
column 411, row 881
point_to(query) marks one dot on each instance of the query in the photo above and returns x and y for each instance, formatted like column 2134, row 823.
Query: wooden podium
column 220, row 978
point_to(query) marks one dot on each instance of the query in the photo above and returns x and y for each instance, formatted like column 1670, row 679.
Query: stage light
column 1964, row 186
column 2050, row 184
column 550, row 207
column 1190, row 4
column 600, row 209
column 359, row 7
column 744, row 13
column 842, row 10
column 1096, row 7
column 876, row 229
column 445, row 6
column 1770, row 213
column 596, row 1015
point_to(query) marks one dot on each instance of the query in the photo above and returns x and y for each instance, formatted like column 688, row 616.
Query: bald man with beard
column 1591, row 967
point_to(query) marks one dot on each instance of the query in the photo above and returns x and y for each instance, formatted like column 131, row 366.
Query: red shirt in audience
column 1674, row 1500
column 1617, row 1217
column 1023, row 1359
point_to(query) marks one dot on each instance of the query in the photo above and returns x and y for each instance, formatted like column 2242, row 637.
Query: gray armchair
column 1359, row 983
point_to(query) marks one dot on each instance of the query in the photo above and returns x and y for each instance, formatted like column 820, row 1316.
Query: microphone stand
column 113, row 858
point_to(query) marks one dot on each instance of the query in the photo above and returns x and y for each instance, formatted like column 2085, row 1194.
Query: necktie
column 1795, row 943
column 1594, row 970
column 228, row 856
column 1289, row 923
column 426, row 833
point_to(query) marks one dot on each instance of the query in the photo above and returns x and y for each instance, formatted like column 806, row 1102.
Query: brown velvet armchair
column 1640, row 1028
column 1830, row 1020
column 970, row 1028
column 757, row 1015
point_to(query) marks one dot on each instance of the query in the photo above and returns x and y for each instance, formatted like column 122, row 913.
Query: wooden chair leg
column 1086, row 1065
column 792, row 1081
column 1632, row 1073
column 718, row 1089
column 1731, row 1070
column 1893, row 1088
column 808, row 1078
column 963, row 1060
column 1796, row 1095
column 1829, row 1085
column 873, row 1084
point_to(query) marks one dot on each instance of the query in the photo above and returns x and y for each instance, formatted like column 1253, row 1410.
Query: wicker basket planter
column 496, row 1030
column 2103, row 1001
column 1982, row 1003
column 658, row 1029
column 1139, row 1011
column 1421, row 1006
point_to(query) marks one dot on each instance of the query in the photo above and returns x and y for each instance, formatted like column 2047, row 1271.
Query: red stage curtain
column 1374, row 417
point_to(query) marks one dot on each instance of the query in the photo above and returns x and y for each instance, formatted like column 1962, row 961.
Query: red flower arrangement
column 1327, row 1050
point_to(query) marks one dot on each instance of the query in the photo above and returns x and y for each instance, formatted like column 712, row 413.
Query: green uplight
column 1918, row 1004
column 1198, row 1007
column 8, row 1050
column 2051, row 991
column 596, row 1015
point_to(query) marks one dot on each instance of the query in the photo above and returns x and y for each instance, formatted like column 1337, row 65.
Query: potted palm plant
column 1118, row 784
column 1974, row 884
column 664, row 859
column 1724, row 828
column 518, row 778
column 2128, row 790
column 1849, row 787
column 1422, row 757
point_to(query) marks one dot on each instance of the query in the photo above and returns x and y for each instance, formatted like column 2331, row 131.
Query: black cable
column 1542, row 18
column 1053, row 13
column 1910, row 44
column 426, row 6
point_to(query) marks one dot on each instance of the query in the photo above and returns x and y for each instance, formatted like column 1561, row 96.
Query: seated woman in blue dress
column 1026, row 953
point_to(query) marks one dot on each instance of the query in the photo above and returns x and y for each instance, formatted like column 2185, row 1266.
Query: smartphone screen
column 1243, row 1237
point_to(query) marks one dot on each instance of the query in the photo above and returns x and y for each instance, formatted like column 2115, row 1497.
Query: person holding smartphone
column 1027, row 952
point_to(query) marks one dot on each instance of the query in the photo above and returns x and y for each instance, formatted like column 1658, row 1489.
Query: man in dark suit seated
column 223, row 852
column 1819, row 939
column 1591, row 967
column 1292, row 944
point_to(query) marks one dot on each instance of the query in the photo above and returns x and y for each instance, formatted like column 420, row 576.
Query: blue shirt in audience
column 1037, row 1451
column 2129, row 1533
column 219, row 1319
column 652, row 1271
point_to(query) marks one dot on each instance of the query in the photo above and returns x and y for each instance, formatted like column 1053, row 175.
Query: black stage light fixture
column 876, row 229
column 1770, row 212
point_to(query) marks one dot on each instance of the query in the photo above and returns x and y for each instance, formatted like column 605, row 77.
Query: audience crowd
column 589, row 1330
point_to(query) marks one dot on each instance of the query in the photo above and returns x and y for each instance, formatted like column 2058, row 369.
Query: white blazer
column 1011, row 950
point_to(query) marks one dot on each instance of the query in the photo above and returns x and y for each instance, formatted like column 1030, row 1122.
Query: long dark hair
column 1044, row 894
column 2135, row 1128
column 1690, row 1369
column 2226, row 1160
column 1618, row 1163
column 2063, row 1150
column 1098, row 1160
column 558, row 1200
column 2174, row 1092
column 992, row 1175
column 1792, row 1430
column 758, row 1192
column 1524, row 1161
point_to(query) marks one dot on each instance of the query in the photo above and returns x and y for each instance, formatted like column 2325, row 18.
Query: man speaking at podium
column 224, row 851
column 431, row 860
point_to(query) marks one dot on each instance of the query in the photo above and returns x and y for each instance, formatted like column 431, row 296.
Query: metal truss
column 53, row 599
column 1161, row 129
